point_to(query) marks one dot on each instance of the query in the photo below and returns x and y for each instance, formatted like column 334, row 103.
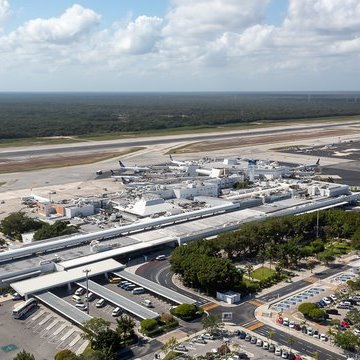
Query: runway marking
column 256, row 302
column 255, row 326
column 210, row 306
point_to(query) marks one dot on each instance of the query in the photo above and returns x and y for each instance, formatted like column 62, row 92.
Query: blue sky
column 179, row 45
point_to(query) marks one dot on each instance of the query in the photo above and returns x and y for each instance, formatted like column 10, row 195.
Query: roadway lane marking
column 255, row 326
column 210, row 306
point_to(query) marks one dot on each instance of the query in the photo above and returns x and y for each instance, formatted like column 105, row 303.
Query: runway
column 115, row 144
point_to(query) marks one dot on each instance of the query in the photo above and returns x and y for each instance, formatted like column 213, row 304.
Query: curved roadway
column 243, row 314
column 56, row 149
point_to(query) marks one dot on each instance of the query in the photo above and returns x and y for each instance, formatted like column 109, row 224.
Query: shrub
column 166, row 318
column 317, row 314
column 185, row 311
column 64, row 355
column 148, row 325
column 306, row 308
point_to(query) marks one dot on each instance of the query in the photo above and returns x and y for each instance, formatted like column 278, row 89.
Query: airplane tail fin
column 124, row 181
column 121, row 164
column 171, row 158
column 111, row 172
column 318, row 162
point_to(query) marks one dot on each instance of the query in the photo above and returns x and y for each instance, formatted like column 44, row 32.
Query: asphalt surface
column 243, row 314
column 297, row 285
column 46, row 150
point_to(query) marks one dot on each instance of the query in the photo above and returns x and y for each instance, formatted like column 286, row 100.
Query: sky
column 179, row 45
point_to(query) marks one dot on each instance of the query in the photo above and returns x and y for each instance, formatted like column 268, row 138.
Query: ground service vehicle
column 22, row 309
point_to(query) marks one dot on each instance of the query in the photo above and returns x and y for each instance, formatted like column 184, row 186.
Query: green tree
column 93, row 327
column 354, row 316
column 170, row 345
column 249, row 268
column 18, row 223
column 65, row 355
column 326, row 257
column 212, row 323
column 107, row 341
column 125, row 327
column 306, row 307
column 23, row 355
column 148, row 325
column 59, row 228
column 185, row 311
column 347, row 340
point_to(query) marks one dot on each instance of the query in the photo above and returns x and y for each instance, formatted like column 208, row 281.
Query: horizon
column 237, row 46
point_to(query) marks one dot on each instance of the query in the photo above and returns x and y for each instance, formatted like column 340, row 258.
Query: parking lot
column 42, row 330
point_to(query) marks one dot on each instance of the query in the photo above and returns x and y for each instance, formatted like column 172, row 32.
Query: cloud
column 73, row 23
column 4, row 10
column 139, row 36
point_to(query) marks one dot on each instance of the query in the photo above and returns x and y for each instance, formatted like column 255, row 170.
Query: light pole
column 86, row 271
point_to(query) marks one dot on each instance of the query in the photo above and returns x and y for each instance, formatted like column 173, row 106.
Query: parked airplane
column 127, row 177
column 129, row 183
column 132, row 168
column 181, row 163
column 308, row 167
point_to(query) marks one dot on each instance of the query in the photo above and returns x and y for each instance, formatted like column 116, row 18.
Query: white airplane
column 181, row 163
column 127, row 177
column 136, row 169
column 308, row 167
column 129, row 183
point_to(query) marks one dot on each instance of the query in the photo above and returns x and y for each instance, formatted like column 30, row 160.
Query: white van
column 147, row 303
column 77, row 299
column 90, row 296
column 160, row 257
column 138, row 290
column 116, row 312
column 100, row 303
column 80, row 291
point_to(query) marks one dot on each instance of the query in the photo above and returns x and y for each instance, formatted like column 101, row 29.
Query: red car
column 297, row 357
column 280, row 320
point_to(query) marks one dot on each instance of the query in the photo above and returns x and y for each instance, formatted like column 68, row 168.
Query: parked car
column 291, row 324
column 180, row 348
column 326, row 300
column 285, row 322
column 80, row 291
column 278, row 351
column 200, row 340
column 259, row 343
column 280, row 320
column 265, row 345
column 285, row 354
column 208, row 337
column 116, row 312
column 247, row 337
column 332, row 311
column 304, row 329
column 333, row 297
column 271, row 348
column 323, row 337
column 81, row 306
column 297, row 327
column 253, row 340
column 310, row 331
column 16, row 296
column 242, row 334
column 100, row 303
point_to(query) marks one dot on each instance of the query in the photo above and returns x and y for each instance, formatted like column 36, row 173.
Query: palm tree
column 125, row 327
column 270, row 335
column 249, row 269
column 290, row 342
column 170, row 345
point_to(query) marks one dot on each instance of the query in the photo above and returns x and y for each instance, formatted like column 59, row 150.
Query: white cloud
column 139, row 36
column 74, row 22
column 4, row 10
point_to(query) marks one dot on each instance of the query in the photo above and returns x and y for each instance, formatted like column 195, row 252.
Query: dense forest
column 62, row 114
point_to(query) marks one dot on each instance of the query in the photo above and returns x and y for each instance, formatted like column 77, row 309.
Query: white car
column 291, row 324
column 266, row 345
column 81, row 306
column 285, row 354
column 278, row 351
column 333, row 297
column 80, row 291
column 326, row 300
column 356, row 332
column 323, row 337
column 259, row 343
column 285, row 322
column 310, row 331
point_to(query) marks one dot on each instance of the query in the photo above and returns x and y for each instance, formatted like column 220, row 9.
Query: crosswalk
column 253, row 325
column 55, row 330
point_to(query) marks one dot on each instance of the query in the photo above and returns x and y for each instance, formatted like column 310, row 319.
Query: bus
column 22, row 309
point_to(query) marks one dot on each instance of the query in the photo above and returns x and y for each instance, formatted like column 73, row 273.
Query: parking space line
column 36, row 316
column 60, row 329
column 73, row 342
column 67, row 335
column 52, row 324
column 47, row 318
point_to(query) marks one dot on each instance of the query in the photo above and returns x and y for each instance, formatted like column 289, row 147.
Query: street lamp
column 86, row 271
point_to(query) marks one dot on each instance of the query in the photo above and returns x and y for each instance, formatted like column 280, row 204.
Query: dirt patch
column 257, row 140
column 39, row 163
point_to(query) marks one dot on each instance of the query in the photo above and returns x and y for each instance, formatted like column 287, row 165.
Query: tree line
column 40, row 115
column 210, row 264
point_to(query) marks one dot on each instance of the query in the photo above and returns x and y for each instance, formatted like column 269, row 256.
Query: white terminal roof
column 60, row 278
